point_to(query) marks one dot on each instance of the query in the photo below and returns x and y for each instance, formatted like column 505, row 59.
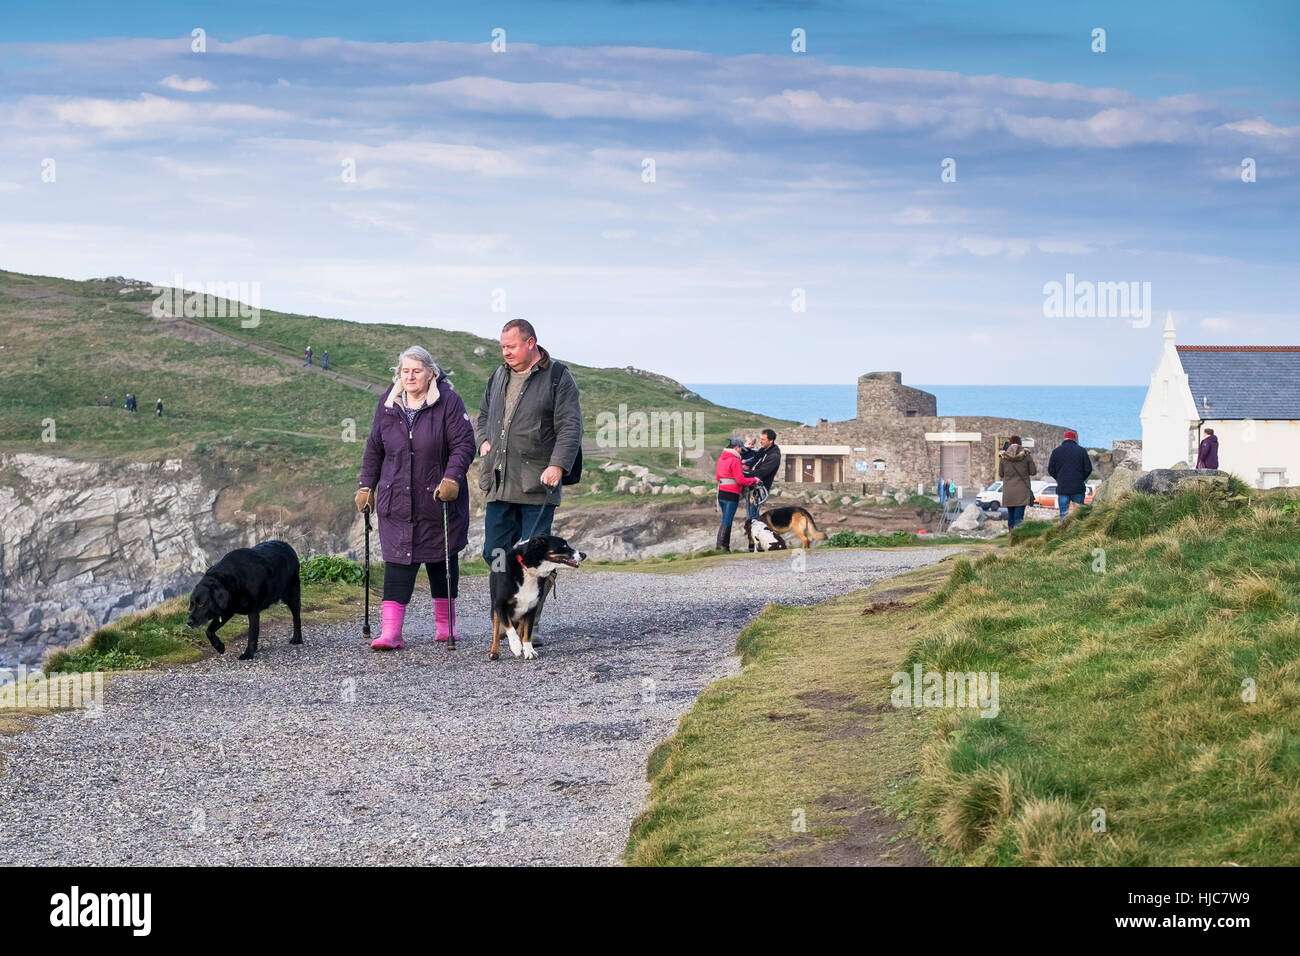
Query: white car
column 990, row 499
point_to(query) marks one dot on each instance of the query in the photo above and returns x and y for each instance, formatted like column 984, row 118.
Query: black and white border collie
column 517, row 590
column 761, row 537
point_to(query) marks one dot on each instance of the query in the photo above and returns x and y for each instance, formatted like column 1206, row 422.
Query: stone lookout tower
column 883, row 395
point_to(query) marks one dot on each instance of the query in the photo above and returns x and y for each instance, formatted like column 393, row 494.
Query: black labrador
column 248, row 581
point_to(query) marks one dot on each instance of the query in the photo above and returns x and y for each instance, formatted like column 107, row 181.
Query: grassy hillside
column 1148, row 655
column 248, row 414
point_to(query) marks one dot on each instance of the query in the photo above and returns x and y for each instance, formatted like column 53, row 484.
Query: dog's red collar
column 520, row 559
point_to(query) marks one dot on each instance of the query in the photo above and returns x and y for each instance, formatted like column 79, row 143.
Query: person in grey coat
column 529, row 432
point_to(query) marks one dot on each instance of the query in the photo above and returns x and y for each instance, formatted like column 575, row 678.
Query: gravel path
column 330, row 753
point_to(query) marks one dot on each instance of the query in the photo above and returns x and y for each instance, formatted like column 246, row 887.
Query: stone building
column 898, row 441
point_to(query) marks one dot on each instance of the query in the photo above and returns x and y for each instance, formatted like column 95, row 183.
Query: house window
column 911, row 413
column 878, row 464
column 1271, row 478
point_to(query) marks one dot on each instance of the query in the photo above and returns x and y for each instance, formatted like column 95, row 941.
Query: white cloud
column 195, row 84
column 1068, row 247
column 1261, row 127
column 1215, row 324
column 557, row 100
column 912, row 216
column 148, row 110
column 993, row 246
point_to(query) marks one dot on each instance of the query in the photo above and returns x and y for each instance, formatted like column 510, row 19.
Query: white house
column 1249, row 395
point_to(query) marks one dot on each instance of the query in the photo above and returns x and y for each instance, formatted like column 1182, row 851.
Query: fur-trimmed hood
column 430, row 397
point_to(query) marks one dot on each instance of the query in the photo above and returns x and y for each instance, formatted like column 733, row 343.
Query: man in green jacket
column 529, row 432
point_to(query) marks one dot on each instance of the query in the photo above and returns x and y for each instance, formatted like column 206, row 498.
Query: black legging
column 399, row 580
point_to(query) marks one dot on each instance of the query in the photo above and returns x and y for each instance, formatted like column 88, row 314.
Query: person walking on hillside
column 157, row 409
column 1016, row 467
column 731, row 480
column 1207, row 455
column 308, row 354
column 419, row 449
column 763, row 465
column 325, row 360
column 1070, row 466
column 529, row 432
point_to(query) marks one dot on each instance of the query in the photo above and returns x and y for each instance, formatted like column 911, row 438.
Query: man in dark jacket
column 763, row 465
column 529, row 432
column 1207, row 455
column 1070, row 466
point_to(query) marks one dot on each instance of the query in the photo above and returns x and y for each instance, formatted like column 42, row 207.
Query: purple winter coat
column 1207, row 456
column 439, row 445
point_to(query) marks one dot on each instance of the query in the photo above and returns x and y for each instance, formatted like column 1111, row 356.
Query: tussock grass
column 1148, row 653
column 1122, row 690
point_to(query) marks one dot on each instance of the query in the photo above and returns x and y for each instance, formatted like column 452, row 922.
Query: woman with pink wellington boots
column 420, row 446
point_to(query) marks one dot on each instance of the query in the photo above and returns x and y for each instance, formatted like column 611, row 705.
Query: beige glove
column 447, row 490
column 365, row 499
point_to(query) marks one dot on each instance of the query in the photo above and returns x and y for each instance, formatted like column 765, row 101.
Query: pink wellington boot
column 390, row 635
column 442, row 619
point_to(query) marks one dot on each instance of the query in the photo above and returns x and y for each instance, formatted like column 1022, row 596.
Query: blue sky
column 522, row 171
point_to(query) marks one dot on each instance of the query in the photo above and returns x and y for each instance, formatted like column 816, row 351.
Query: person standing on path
column 308, row 354
column 1070, row 466
column 1016, row 467
column 763, row 465
column 419, row 449
column 1207, row 455
column 529, row 432
column 731, row 479
column 325, row 360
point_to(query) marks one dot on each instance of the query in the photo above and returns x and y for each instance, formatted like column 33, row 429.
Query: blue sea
column 1101, row 414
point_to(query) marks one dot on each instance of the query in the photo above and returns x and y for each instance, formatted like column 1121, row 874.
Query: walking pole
column 446, row 564
column 365, row 630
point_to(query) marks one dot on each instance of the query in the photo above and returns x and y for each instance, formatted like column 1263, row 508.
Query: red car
column 1046, row 497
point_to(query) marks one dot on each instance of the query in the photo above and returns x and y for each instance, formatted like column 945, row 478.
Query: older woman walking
column 1016, row 466
column 731, row 477
column 420, row 446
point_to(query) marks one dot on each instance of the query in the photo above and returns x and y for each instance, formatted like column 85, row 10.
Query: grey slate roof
column 1260, row 382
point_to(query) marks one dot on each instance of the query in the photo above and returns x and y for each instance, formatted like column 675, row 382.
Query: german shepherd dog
column 761, row 537
column 794, row 520
column 248, row 581
column 517, row 591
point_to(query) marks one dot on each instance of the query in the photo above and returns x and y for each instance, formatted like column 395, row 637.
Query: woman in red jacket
column 420, row 446
column 731, row 479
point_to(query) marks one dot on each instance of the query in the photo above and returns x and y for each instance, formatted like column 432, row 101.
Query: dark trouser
column 1015, row 516
column 504, row 524
column 507, row 521
column 399, row 580
column 1063, row 501
column 728, row 501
